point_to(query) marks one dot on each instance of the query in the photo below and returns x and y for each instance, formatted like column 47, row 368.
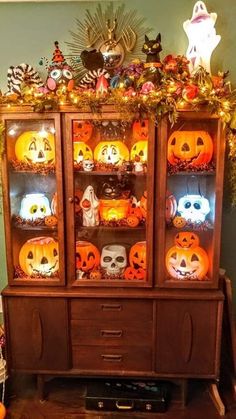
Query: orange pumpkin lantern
column 87, row 256
column 187, row 260
column 82, row 152
column 39, row 256
column 140, row 130
column 82, row 131
column 171, row 207
column 137, row 255
column 193, row 147
column 35, row 147
column 132, row 273
column 143, row 204
column 111, row 152
column 140, row 151
column 113, row 209
column 132, row 220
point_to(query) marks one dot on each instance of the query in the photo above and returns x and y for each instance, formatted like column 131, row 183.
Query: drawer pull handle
column 111, row 307
column 111, row 333
column 112, row 358
column 121, row 406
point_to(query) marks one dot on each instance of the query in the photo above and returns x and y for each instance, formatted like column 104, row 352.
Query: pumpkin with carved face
column 137, row 255
column 82, row 131
column 187, row 260
column 87, row 256
column 111, row 152
column 193, row 147
column 39, row 256
column 82, row 152
column 140, row 130
column 139, row 151
column 35, row 147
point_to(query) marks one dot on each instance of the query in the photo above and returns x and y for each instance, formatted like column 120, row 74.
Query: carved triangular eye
column 174, row 255
column 173, row 141
column 30, row 255
column 194, row 258
column 200, row 141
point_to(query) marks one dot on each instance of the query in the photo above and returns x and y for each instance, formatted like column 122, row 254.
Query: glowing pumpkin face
column 113, row 152
column 82, row 131
column 82, row 152
column 140, row 130
column 193, row 147
column 139, row 150
column 35, row 147
column 137, row 255
column 187, row 239
column 187, row 263
column 34, row 205
column 39, row 256
column 87, row 256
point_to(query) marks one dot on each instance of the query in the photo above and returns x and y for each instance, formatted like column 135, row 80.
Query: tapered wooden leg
column 214, row 393
column 41, row 387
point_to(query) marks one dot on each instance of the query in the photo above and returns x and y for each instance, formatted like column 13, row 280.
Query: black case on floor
column 119, row 395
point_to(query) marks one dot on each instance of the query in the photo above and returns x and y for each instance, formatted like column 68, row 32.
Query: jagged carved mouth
column 41, row 162
column 47, row 273
column 184, row 274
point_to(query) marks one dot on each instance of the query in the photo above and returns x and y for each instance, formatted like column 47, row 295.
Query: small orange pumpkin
column 187, row 239
column 140, row 130
column 132, row 273
column 179, row 222
column 193, row 147
column 95, row 275
column 132, row 220
column 136, row 211
column 137, row 255
column 87, row 256
column 50, row 220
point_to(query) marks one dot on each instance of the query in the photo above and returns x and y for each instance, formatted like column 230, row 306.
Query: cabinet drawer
column 111, row 358
column 90, row 332
column 119, row 309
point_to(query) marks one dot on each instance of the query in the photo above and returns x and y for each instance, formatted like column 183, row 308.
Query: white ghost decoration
column 193, row 208
column 202, row 37
column 90, row 204
column 34, row 205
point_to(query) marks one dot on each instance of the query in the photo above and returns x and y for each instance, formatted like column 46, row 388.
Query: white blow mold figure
column 90, row 204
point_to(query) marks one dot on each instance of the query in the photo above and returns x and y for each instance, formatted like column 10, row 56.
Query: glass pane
column 110, row 187
column 33, row 199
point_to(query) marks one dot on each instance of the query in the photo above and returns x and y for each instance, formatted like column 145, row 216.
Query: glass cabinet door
column 33, row 196
column 192, row 156
column 109, row 187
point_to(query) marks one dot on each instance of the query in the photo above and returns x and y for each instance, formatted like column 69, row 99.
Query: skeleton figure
column 88, row 165
column 114, row 259
column 193, row 208
column 202, row 37
column 89, row 204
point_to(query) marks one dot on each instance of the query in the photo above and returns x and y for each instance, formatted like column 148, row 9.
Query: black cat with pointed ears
column 152, row 48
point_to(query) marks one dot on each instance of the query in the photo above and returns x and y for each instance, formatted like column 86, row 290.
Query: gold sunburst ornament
column 117, row 34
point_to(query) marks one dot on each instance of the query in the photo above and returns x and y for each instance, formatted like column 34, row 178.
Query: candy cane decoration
column 19, row 74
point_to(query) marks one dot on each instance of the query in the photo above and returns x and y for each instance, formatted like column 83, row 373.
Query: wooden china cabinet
column 113, row 239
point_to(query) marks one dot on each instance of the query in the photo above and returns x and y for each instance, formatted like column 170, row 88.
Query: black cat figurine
column 152, row 48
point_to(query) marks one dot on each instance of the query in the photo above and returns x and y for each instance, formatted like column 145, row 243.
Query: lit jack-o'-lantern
column 34, row 205
column 187, row 260
column 35, row 147
column 113, row 152
column 82, row 152
column 171, row 207
column 140, row 130
column 137, row 255
column 39, row 256
column 193, row 208
column 140, row 151
column 113, row 209
column 82, row 131
column 87, row 256
column 193, row 147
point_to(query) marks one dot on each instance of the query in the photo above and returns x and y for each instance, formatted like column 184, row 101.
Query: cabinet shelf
column 114, row 173
column 109, row 228
column 188, row 173
column 34, row 228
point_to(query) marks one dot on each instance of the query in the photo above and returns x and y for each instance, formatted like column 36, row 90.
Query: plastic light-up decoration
column 34, row 205
column 202, row 37
column 193, row 208
column 114, row 259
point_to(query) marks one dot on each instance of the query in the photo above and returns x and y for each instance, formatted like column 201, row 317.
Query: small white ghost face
column 193, row 208
column 114, row 259
column 88, row 165
column 34, row 205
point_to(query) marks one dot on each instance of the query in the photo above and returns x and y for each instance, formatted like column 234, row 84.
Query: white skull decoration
column 34, row 205
column 88, row 165
column 193, row 208
column 114, row 259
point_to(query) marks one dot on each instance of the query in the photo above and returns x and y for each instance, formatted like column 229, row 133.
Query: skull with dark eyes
column 193, row 208
column 114, row 259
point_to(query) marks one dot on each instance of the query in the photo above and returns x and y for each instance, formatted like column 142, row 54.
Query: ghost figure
column 34, row 205
column 193, row 208
column 114, row 259
column 202, row 37
column 89, row 204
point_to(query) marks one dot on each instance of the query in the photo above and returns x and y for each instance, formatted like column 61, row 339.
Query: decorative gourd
column 193, row 147
column 87, row 256
column 137, row 255
column 187, row 260
column 139, row 151
column 113, row 152
column 82, row 131
column 39, row 256
column 140, row 130
column 171, row 207
column 113, row 209
column 35, row 147
column 82, row 152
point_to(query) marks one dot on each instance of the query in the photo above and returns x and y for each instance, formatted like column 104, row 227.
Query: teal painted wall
column 28, row 30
